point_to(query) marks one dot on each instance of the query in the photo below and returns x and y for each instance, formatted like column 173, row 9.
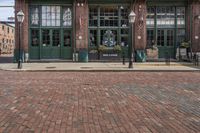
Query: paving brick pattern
column 134, row 102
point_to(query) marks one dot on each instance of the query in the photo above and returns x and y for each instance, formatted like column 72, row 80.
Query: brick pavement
column 139, row 102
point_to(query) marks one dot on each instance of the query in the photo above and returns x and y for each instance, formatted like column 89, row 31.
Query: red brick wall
column 81, row 18
column 195, row 7
column 140, row 24
column 21, row 5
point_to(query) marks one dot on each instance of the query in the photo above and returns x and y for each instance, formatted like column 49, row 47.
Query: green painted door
column 51, row 42
column 165, row 43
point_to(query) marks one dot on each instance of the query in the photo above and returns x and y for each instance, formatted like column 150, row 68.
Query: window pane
column 67, row 16
column 124, row 16
column 56, row 38
column 67, row 38
column 34, row 15
column 181, row 16
column 93, row 16
column 150, row 37
column 45, row 38
column 93, row 38
column 109, row 16
column 35, row 37
column 150, row 16
column 166, row 16
column 50, row 15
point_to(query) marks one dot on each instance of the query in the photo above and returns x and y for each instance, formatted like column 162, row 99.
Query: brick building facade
column 7, row 36
column 57, row 29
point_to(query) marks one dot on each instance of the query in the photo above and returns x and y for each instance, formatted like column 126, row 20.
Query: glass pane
column 170, row 38
column 50, row 15
column 35, row 37
column 67, row 16
column 109, row 37
column 124, row 16
column 93, row 38
column 160, row 38
column 67, row 38
column 93, row 16
column 150, row 16
column 109, row 16
column 166, row 16
column 150, row 37
column 181, row 16
column 45, row 38
column 56, row 38
column 181, row 35
column 34, row 15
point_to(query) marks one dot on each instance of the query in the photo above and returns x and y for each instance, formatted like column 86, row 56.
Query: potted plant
column 117, row 49
column 152, row 52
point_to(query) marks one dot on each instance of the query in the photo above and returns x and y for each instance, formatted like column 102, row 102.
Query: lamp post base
column 130, row 64
column 19, row 66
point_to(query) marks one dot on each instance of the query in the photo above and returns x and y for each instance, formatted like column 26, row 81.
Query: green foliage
column 117, row 48
column 102, row 48
column 185, row 45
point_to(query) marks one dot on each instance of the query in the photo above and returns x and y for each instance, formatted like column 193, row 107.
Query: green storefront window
column 35, row 37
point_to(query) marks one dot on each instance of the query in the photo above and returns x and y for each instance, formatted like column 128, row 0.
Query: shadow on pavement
column 6, row 59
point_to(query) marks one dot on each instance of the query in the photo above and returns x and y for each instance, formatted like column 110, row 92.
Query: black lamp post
column 20, row 19
column 131, row 18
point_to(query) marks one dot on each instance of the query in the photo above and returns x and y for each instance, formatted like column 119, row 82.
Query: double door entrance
column 56, row 44
column 165, row 43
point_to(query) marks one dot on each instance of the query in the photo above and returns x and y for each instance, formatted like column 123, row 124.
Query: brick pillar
column 21, row 5
column 139, row 7
column 81, row 21
column 195, row 34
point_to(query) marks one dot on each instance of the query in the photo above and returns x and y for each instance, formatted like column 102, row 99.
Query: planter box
column 93, row 56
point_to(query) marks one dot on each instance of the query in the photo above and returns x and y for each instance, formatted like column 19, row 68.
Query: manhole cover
column 86, row 67
column 50, row 67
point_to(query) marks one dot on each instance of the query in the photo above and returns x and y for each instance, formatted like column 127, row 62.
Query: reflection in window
column 56, row 38
column 67, row 38
column 67, row 16
column 34, row 15
column 45, row 38
column 93, row 38
column 50, row 15
column 35, row 37
column 180, row 16
column 165, row 16
column 124, row 37
column 150, row 16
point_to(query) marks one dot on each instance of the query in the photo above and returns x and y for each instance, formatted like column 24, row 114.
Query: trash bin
column 140, row 56
column 83, row 55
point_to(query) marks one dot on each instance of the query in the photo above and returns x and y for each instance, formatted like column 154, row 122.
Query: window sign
column 67, row 17
column 34, row 16
column 109, row 39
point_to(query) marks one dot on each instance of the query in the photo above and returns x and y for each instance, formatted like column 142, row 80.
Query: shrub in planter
column 102, row 48
column 117, row 48
column 185, row 45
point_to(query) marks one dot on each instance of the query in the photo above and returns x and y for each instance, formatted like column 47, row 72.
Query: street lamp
column 131, row 18
column 20, row 19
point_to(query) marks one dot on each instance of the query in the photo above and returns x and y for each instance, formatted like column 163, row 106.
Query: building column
column 81, row 24
column 139, row 35
column 21, row 5
column 195, row 25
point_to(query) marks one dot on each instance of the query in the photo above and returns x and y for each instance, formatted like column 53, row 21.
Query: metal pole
column 19, row 57
column 131, row 49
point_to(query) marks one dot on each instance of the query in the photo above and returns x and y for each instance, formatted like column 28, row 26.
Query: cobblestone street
column 89, row 102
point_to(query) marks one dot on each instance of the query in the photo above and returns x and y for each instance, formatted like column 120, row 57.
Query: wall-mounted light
column 198, row 17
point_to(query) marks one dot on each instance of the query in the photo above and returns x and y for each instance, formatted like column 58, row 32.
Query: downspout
column 74, row 31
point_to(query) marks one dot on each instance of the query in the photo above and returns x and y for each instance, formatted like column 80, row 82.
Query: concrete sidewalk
column 70, row 66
